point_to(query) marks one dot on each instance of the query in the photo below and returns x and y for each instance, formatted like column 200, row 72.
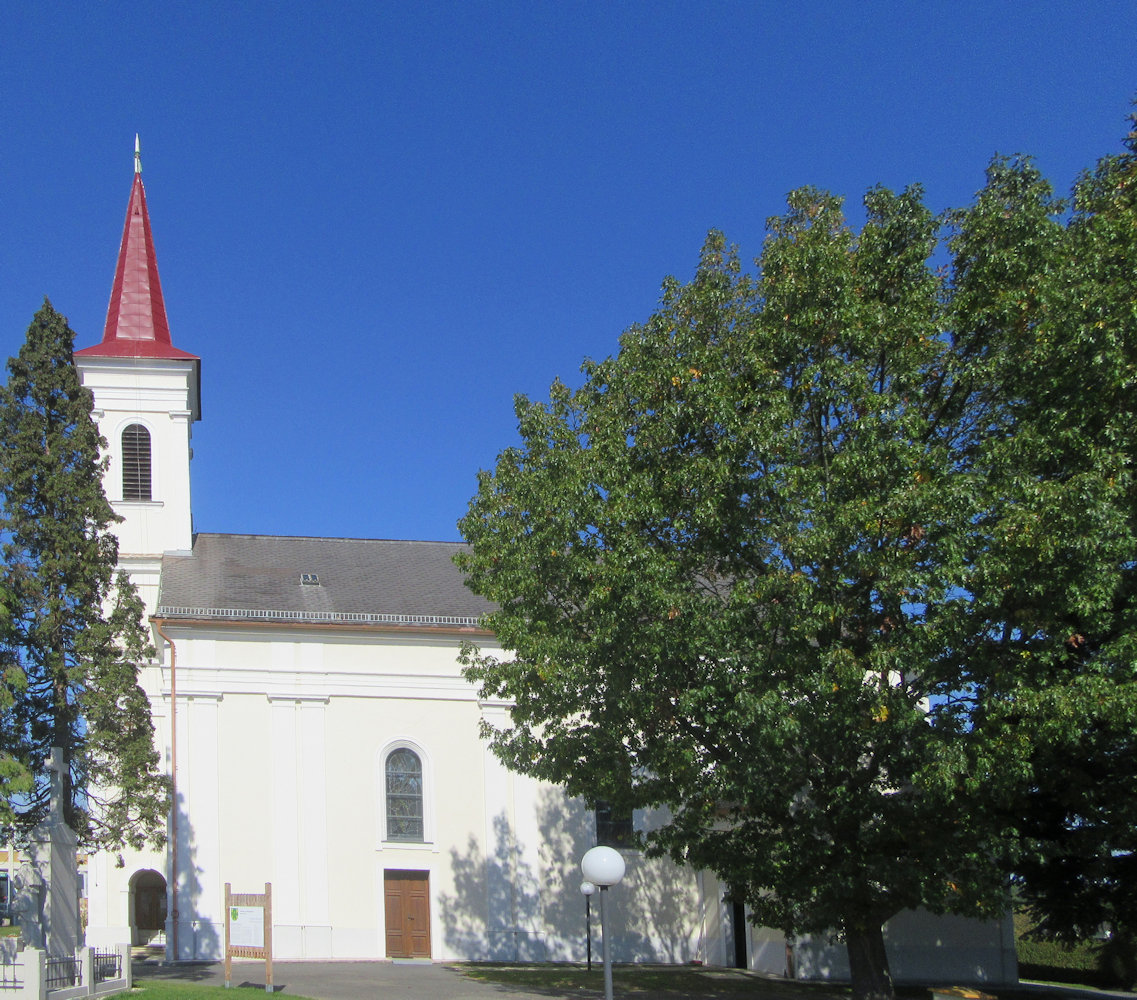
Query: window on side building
column 614, row 826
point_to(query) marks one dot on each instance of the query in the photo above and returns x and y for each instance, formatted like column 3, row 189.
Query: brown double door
column 406, row 897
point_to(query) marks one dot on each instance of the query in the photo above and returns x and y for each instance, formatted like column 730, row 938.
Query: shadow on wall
column 479, row 920
column 923, row 948
column 522, row 902
column 196, row 938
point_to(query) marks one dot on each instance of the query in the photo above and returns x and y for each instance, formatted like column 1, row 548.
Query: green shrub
column 1055, row 962
column 1107, row 962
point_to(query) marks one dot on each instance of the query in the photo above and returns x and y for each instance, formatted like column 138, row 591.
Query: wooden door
column 406, row 896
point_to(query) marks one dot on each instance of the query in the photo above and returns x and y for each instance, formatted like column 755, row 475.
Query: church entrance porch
column 147, row 906
column 406, row 908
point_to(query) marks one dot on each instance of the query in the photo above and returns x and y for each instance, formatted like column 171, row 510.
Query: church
column 311, row 714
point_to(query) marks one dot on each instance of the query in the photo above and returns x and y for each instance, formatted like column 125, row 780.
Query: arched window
column 404, row 795
column 136, row 463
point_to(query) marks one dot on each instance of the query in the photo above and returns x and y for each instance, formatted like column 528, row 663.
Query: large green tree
column 828, row 560
column 1054, row 307
column 721, row 568
column 74, row 638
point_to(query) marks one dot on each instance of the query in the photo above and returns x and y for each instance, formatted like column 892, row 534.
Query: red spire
column 136, row 318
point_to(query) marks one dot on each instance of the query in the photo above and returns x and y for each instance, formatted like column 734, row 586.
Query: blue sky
column 376, row 222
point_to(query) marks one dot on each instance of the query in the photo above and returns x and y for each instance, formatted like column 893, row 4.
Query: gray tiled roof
column 368, row 581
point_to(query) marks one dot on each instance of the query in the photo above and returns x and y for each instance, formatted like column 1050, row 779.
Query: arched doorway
column 147, row 906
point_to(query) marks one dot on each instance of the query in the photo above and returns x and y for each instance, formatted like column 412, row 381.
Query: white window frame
column 427, row 841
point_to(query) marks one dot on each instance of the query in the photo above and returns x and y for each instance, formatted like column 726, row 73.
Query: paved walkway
column 340, row 980
column 427, row 981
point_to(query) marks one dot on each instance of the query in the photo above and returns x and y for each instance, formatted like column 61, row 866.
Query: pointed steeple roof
column 136, row 318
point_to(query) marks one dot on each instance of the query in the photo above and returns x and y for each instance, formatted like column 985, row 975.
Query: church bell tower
column 147, row 396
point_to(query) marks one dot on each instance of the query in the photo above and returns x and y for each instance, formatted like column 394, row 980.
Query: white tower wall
column 159, row 394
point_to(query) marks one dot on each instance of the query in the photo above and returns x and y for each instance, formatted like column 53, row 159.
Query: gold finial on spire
column 137, row 155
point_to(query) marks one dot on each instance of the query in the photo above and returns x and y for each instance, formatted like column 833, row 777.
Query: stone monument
column 27, row 904
column 47, row 899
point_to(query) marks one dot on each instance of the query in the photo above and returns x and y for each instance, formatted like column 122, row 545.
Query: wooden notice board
column 248, row 929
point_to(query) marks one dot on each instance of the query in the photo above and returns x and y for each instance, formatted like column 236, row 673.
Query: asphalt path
column 339, row 980
column 388, row 980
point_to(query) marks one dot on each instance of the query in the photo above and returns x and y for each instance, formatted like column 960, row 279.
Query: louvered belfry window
column 136, row 463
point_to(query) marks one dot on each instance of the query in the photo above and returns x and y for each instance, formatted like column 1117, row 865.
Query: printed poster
column 246, row 926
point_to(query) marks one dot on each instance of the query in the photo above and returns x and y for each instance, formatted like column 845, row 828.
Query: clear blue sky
column 376, row 222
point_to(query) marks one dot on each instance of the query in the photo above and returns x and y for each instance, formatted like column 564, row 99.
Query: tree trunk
column 868, row 964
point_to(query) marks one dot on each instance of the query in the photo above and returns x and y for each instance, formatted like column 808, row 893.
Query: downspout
column 158, row 623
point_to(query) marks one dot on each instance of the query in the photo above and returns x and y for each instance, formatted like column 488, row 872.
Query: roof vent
column 309, row 579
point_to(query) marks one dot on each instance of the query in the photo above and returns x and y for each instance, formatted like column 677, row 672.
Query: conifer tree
column 74, row 637
column 14, row 777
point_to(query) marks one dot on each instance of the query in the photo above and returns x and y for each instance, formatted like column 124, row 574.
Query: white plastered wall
column 924, row 948
column 282, row 739
column 158, row 394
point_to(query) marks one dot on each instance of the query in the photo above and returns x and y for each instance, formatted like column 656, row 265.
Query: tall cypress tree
column 15, row 779
column 74, row 639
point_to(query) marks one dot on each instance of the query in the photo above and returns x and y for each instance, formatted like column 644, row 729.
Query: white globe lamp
column 603, row 867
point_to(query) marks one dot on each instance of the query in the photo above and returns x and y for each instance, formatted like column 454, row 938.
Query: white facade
column 282, row 736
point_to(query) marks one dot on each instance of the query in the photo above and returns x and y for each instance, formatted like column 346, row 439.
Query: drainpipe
column 158, row 623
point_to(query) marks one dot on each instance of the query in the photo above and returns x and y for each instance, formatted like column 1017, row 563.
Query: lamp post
column 586, row 890
column 603, row 866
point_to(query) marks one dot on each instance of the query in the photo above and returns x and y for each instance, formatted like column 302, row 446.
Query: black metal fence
column 10, row 976
column 108, row 965
column 62, row 972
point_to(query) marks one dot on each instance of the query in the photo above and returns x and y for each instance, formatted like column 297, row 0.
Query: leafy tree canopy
column 1063, row 585
column 73, row 638
column 828, row 558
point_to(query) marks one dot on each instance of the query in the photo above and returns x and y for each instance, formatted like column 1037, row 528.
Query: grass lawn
column 683, row 983
column 649, row 981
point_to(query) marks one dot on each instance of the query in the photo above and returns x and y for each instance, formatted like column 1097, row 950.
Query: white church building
column 311, row 713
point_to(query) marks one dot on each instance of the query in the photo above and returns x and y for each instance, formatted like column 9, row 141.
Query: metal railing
column 31, row 974
column 62, row 972
column 330, row 617
column 10, row 976
column 107, row 965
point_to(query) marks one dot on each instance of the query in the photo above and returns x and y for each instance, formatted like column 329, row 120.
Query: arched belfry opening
column 136, row 474
column 147, row 906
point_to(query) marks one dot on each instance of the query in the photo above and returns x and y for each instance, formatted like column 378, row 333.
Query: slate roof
column 360, row 581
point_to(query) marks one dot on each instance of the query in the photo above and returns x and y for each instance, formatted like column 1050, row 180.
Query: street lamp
column 586, row 890
column 603, row 866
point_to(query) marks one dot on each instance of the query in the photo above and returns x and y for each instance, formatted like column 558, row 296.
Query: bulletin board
column 248, row 929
